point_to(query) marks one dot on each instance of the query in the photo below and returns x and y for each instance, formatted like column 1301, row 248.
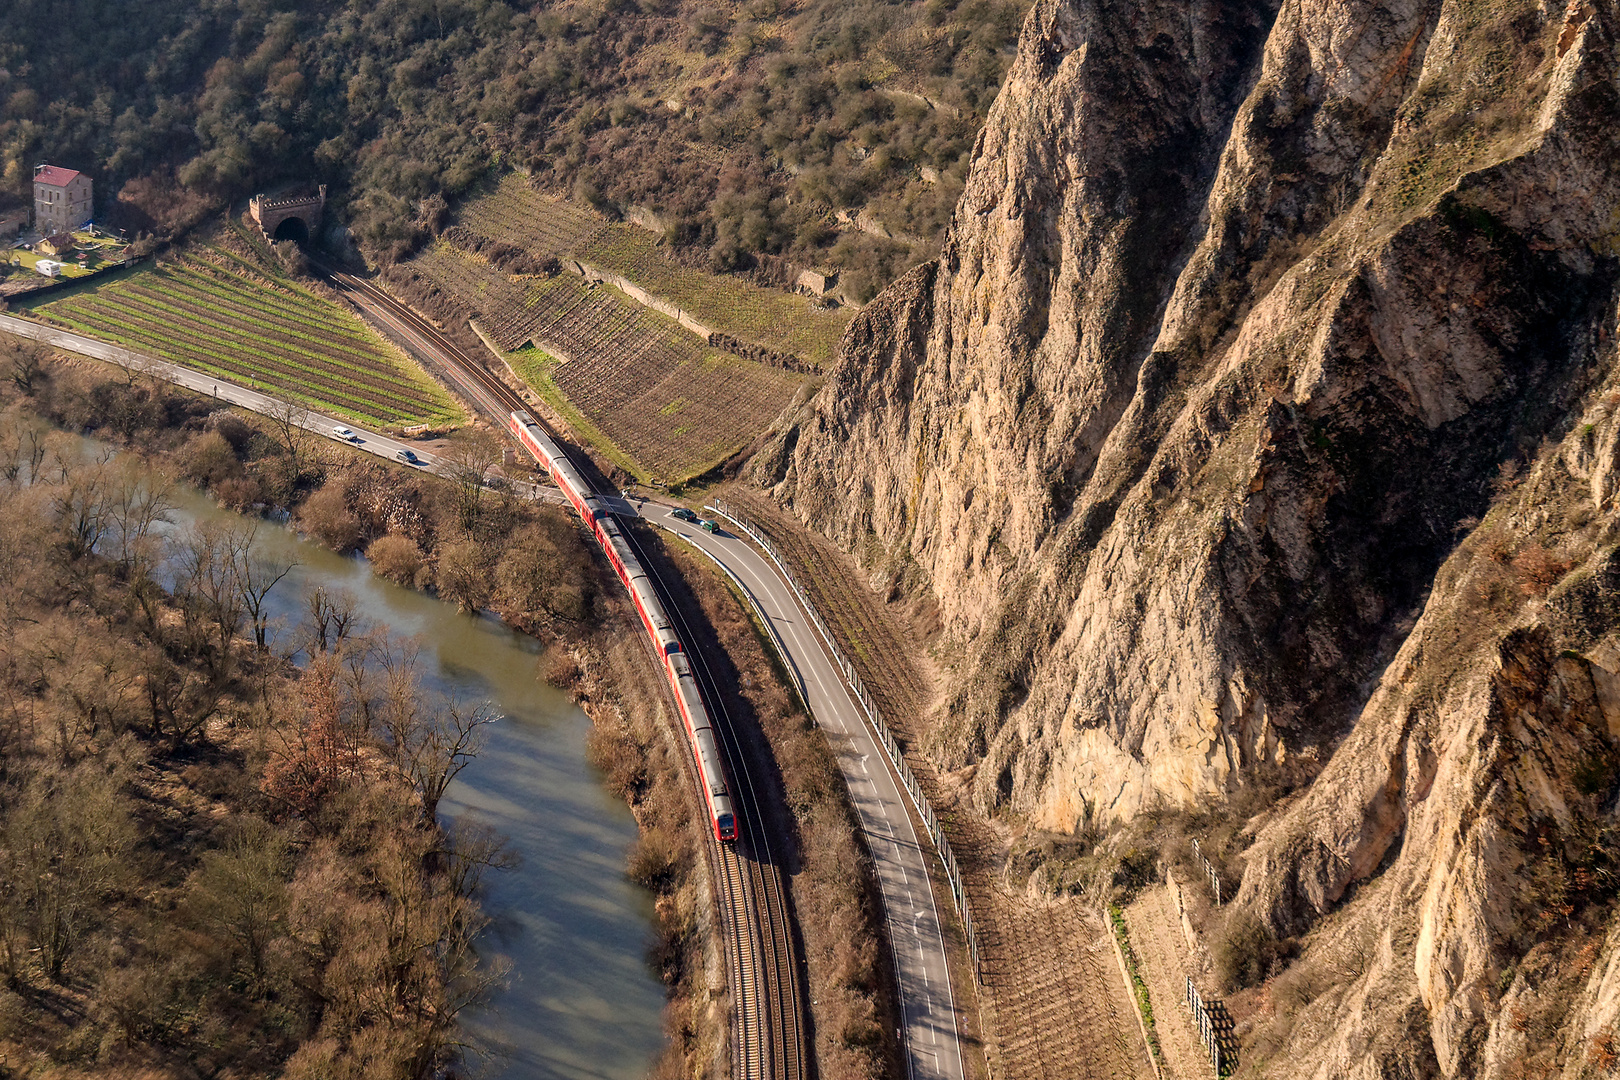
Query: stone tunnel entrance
column 292, row 229
column 288, row 217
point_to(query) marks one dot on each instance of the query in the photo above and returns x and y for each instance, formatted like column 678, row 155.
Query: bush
column 327, row 517
column 239, row 492
column 655, row 859
column 464, row 574
column 209, row 459
column 1245, row 950
column 396, row 558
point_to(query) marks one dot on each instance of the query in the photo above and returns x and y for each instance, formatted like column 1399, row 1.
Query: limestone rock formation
column 1259, row 417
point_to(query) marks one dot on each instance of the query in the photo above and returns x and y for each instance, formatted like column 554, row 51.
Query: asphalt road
column 372, row 442
column 927, row 1005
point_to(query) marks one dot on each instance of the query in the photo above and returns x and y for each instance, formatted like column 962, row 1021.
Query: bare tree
column 429, row 746
column 211, row 600
column 240, row 893
column 82, row 504
column 289, row 424
column 471, row 849
column 471, row 455
column 256, row 574
column 332, row 617
column 138, row 499
column 131, row 364
column 22, row 449
column 25, row 363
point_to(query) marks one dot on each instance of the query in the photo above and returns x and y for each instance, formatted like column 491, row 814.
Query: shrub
column 327, row 517
column 239, row 492
column 655, row 859
column 209, row 459
column 396, row 558
column 1244, row 950
column 464, row 574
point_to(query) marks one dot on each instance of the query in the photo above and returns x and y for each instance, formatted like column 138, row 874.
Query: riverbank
column 530, row 565
column 207, row 854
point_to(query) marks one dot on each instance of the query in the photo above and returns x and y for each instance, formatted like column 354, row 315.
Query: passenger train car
column 677, row 668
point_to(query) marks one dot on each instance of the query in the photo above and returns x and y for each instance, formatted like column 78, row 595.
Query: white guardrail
column 874, row 719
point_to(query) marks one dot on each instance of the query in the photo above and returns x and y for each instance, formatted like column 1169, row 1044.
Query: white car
column 346, row 434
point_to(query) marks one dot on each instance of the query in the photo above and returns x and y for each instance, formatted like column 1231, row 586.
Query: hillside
column 1255, row 436
column 830, row 133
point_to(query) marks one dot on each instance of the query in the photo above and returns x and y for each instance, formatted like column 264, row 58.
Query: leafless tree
column 81, row 502
column 256, row 573
column 211, row 600
column 131, row 364
column 429, row 744
column 25, row 363
column 289, row 424
column 471, row 849
column 332, row 617
column 138, row 499
column 468, row 459
column 239, row 893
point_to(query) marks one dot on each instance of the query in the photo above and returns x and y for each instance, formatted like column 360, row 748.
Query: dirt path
column 1052, row 1000
column 1161, row 950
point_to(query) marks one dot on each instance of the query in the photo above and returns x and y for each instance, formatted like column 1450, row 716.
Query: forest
column 745, row 130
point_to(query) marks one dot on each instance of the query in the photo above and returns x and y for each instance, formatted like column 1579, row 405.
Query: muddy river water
column 582, row 1002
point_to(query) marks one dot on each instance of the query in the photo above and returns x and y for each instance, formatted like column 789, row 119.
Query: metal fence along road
column 874, row 718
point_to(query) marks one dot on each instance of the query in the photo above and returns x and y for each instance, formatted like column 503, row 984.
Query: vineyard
column 209, row 310
column 517, row 214
column 646, row 388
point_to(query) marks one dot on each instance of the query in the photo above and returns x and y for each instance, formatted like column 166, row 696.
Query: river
column 582, row 1001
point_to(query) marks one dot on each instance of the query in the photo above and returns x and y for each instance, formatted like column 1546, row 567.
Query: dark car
column 708, row 526
column 683, row 513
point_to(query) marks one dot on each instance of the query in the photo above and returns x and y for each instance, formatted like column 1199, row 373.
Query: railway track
column 768, row 1009
column 769, row 1042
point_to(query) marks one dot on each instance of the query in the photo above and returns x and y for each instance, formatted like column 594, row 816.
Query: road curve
column 928, row 1008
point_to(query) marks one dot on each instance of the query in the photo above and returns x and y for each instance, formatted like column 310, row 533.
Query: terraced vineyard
column 517, row 214
column 653, row 395
column 208, row 310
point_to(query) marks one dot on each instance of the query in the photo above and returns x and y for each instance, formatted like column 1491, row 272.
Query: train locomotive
column 677, row 667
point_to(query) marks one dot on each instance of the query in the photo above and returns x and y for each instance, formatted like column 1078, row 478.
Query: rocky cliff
column 1259, row 419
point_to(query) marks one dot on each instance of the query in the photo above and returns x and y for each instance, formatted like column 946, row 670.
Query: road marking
column 876, row 811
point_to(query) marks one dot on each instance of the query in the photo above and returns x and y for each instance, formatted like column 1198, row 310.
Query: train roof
column 708, row 752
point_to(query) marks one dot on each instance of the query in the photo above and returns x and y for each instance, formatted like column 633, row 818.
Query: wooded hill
column 743, row 128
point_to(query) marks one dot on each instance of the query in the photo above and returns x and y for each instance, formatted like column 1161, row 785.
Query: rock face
column 1259, row 417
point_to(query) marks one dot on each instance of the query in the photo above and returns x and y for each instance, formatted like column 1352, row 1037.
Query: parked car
column 684, row 514
column 346, row 434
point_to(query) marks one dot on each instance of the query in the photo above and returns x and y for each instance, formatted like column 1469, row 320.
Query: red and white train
column 699, row 731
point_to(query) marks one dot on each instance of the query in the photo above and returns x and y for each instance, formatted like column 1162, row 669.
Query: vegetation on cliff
column 1253, row 436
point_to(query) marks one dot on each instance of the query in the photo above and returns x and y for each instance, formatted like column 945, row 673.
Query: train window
column 727, row 825
column 672, row 648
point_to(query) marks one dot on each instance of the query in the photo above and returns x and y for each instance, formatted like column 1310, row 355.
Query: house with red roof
column 61, row 199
